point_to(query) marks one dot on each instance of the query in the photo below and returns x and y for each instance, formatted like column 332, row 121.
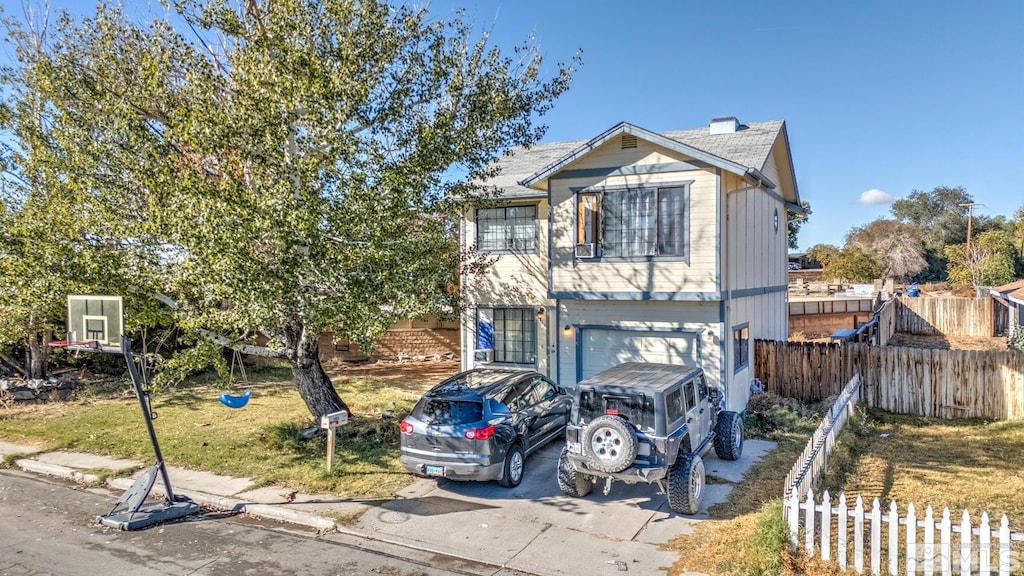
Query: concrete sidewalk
column 533, row 528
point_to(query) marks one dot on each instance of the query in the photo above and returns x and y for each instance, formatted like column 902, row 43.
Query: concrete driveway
column 537, row 529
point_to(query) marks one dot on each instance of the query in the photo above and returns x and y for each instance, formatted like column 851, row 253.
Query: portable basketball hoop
column 101, row 320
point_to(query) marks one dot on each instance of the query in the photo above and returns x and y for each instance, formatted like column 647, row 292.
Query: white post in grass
column 965, row 544
column 794, row 519
column 876, row 538
column 826, row 526
column 945, row 548
column 929, row 541
column 858, row 536
column 894, row 538
column 841, row 534
column 1004, row 547
column 809, row 524
column 985, row 547
column 911, row 540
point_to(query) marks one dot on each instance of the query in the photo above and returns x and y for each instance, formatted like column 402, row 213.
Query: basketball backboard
column 95, row 323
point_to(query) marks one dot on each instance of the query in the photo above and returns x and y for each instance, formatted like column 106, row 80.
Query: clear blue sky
column 877, row 95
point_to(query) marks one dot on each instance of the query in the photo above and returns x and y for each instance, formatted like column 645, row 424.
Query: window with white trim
column 510, row 332
column 507, row 229
column 635, row 221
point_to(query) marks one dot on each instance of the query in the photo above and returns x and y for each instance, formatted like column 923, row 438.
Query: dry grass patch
column 260, row 441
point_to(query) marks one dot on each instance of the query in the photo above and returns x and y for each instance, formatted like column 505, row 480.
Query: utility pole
column 970, row 216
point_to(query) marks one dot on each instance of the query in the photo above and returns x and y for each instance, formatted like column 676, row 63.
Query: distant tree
column 850, row 264
column 822, row 253
column 1018, row 231
column 795, row 221
column 989, row 262
column 937, row 215
column 894, row 246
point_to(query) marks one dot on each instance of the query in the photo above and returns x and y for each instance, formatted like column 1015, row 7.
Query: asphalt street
column 48, row 527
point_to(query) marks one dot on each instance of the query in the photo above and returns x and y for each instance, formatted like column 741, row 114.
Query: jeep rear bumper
column 635, row 473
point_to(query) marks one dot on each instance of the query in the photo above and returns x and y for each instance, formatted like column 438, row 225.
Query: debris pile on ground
column 19, row 390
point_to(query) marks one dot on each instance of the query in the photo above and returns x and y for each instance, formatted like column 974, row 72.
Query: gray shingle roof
column 749, row 146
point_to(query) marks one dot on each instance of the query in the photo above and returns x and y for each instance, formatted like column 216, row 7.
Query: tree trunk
column 37, row 352
column 315, row 388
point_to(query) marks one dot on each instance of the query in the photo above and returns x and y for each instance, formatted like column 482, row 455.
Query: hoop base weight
column 149, row 514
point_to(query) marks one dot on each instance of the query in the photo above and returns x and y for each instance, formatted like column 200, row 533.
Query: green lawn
column 259, row 441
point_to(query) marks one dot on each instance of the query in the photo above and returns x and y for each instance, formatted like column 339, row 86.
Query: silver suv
column 650, row 423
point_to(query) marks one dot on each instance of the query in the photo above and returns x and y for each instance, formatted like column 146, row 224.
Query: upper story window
column 635, row 222
column 507, row 229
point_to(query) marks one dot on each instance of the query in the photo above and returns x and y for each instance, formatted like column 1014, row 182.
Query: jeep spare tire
column 729, row 436
column 609, row 444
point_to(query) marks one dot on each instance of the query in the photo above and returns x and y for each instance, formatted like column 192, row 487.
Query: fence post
column 794, row 519
column 929, row 541
column 1004, row 547
column 809, row 524
column 826, row 526
column 911, row 540
column 985, row 547
column 894, row 538
column 945, row 551
column 965, row 544
column 841, row 533
column 876, row 538
column 858, row 536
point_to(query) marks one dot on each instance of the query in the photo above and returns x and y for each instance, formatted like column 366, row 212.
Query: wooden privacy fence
column 948, row 316
column 922, row 382
column 808, row 468
column 910, row 544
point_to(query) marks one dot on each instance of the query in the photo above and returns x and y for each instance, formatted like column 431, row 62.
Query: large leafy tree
column 54, row 241
column 849, row 263
column 291, row 160
column 894, row 245
column 938, row 215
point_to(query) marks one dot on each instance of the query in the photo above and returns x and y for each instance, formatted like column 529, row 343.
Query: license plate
column 575, row 448
column 433, row 470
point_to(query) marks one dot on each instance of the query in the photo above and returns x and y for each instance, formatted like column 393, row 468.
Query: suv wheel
column 609, row 444
column 570, row 480
column 686, row 484
column 515, row 465
column 729, row 436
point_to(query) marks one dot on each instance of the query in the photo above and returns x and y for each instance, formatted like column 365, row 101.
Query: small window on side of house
column 741, row 347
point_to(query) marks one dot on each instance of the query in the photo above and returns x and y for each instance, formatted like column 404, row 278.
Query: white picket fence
column 991, row 553
column 808, row 468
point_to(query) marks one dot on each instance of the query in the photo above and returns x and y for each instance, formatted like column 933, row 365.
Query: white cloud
column 875, row 197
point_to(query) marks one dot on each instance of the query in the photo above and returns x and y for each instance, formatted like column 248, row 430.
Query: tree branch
column 220, row 339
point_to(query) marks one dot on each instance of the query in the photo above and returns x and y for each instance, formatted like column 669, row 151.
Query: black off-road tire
column 609, row 444
column 729, row 436
column 686, row 484
column 571, row 481
column 515, row 467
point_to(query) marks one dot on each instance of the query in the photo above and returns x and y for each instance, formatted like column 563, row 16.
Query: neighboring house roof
column 744, row 152
column 1013, row 291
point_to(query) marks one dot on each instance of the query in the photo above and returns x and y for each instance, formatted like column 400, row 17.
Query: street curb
column 37, row 467
column 268, row 511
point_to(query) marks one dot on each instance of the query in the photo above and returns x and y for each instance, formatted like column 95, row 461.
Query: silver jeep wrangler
column 651, row 423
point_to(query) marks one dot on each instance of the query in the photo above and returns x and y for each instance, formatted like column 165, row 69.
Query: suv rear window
column 638, row 409
column 449, row 412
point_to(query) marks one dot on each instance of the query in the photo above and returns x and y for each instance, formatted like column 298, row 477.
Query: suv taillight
column 405, row 427
column 480, row 433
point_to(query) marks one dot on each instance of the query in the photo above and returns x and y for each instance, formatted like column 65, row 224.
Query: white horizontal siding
column 515, row 279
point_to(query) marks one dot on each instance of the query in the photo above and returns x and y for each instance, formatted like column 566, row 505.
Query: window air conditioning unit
column 586, row 250
column 483, row 356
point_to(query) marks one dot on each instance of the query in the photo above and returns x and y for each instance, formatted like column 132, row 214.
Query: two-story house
column 635, row 246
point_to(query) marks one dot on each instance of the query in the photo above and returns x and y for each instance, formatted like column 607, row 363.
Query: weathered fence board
column 949, row 316
column 933, row 383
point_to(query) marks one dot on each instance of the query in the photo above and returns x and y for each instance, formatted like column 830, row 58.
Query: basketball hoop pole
column 141, row 394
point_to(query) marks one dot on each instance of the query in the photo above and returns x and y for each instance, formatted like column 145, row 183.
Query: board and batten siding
column 696, row 274
column 755, row 252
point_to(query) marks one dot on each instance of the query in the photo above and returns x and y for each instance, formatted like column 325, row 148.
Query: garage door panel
column 604, row 348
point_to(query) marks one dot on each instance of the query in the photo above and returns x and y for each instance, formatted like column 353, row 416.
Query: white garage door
column 603, row 348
